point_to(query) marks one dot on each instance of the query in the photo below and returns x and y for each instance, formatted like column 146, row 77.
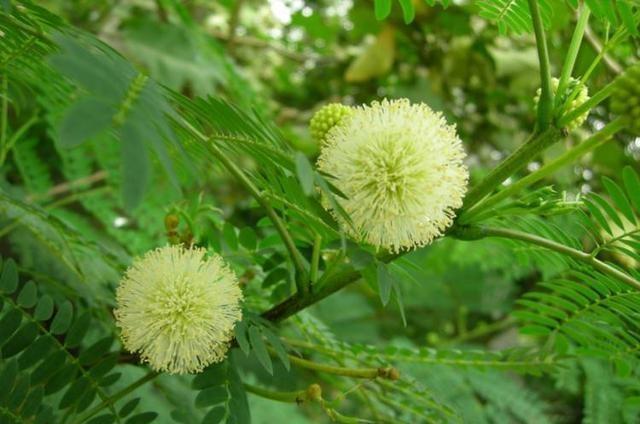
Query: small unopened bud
column 390, row 372
column 314, row 392
column 326, row 118
column 394, row 374
column 581, row 97
column 171, row 222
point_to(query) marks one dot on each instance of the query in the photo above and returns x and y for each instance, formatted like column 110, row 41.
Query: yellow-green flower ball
column 325, row 119
column 177, row 309
column 400, row 166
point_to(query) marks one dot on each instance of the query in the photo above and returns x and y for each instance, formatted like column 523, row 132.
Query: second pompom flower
column 400, row 166
column 177, row 309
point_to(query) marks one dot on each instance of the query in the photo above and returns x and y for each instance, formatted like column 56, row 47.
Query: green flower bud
column 583, row 96
column 171, row 222
column 625, row 100
column 326, row 118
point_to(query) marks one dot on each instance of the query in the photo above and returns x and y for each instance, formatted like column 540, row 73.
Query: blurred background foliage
column 285, row 59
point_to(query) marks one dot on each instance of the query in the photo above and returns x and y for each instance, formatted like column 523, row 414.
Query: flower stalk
column 369, row 373
column 474, row 233
column 302, row 284
column 116, row 397
column 298, row 396
column 572, row 53
column 512, row 164
column 568, row 157
column 545, row 108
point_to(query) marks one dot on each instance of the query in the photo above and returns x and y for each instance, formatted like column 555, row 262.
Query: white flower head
column 177, row 309
column 401, row 169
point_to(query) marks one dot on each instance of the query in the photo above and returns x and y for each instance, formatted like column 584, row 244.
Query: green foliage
column 199, row 135
column 512, row 15
column 588, row 310
column 55, row 361
column 220, row 391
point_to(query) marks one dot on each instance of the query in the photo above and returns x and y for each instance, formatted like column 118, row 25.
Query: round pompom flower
column 581, row 97
column 326, row 118
column 401, row 169
column 625, row 100
column 177, row 309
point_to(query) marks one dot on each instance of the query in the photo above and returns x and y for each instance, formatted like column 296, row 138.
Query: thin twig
column 388, row 372
column 545, row 106
column 578, row 255
column 301, row 279
column 68, row 186
column 117, row 396
column 566, row 158
column 597, row 45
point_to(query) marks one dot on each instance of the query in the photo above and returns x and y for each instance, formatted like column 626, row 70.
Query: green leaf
column 44, row 308
column 8, row 376
column 277, row 345
column 61, row 379
column 513, row 15
column 73, row 394
column 215, row 415
column 28, row 296
column 53, row 363
column 106, row 364
column 142, row 418
column 78, row 330
column 128, row 407
column 103, row 419
column 382, row 9
column 260, row 349
column 274, row 277
column 9, row 277
column 136, row 167
column 238, row 405
column 241, row 337
column 33, row 402
column 408, row 11
column 62, row 320
column 619, row 198
column 632, row 186
column 36, row 351
column 214, row 375
column 305, row 173
column 606, row 207
column 248, row 238
column 598, row 215
column 83, row 120
column 398, row 293
column 626, row 14
column 385, row 282
column 229, row 235
column 20, row 340
column 211, row 396
column 8, row 324
column 95, row 351
column 19, row 393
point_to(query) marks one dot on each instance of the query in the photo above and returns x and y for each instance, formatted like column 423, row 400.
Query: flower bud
column 579, row 99
column 171, row 222
column 326, row 118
